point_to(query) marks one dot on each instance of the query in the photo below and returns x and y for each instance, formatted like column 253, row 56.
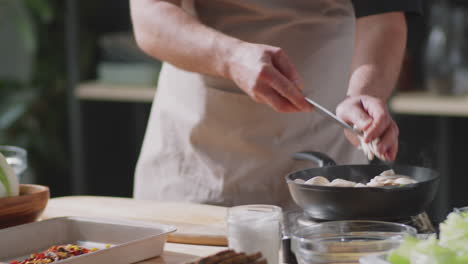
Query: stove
column 297, row 219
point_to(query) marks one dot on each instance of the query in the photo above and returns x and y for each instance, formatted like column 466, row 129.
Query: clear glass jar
column 255, row 228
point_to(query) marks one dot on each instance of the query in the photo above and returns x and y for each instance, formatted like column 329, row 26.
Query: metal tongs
column 332, row 117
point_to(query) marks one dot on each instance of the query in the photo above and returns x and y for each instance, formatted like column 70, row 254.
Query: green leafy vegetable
column 402, row 254
column 452, row 248
column 4, row 181
column 9, row 185
column 454, row 232
column 429, row 251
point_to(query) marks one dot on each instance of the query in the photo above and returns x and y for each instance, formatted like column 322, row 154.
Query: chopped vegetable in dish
column 55, row 253
column 454, row 232
column 452, row 248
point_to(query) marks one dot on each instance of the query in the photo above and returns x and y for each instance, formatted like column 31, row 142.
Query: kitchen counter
column 182, row 253
column 197, row 225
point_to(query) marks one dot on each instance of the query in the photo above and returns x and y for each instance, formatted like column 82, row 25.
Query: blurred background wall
column 76, row 93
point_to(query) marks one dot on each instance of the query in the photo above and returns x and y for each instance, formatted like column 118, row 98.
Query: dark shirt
column 372, row 7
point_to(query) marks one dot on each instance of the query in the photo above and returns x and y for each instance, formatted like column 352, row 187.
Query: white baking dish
column 131, row 241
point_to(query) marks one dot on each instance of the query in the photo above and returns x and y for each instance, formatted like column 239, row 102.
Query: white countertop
column 182, row 253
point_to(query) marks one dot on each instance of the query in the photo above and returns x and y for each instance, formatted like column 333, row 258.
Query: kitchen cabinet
column 433, row 134
column 114, row 123
column 106, row 122
column 433, row 127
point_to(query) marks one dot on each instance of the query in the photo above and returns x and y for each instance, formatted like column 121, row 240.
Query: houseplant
column 32, row 85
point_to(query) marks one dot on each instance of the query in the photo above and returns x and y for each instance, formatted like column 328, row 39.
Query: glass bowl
column 346, row 241
column 16, row 157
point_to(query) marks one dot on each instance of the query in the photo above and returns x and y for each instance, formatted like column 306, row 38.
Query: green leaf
column 42, row 9
column 12, row 116
column 25, row 25
column 4, row 181
column 13, row 107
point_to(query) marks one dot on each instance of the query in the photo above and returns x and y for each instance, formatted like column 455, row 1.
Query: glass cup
column 17, row 158
column 255, row 228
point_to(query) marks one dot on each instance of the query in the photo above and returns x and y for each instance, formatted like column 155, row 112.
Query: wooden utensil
column 196, row 223
column 26, row 207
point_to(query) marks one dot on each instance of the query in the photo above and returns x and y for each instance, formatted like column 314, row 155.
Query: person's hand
column 268, row 76
column 370, row 115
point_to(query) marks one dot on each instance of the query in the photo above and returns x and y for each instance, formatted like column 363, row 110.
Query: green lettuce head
column 454, row 232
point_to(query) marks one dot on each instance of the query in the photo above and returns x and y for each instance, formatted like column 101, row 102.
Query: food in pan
column 9, row 185
column 450, row 248
column 56, row 253
column 319, row 180
column 389, row 178
column 341, row 183
column 386, row 178
column 396, row 180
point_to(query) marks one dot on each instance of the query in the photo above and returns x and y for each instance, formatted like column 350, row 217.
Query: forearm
column 378, row 55
column 166, row 32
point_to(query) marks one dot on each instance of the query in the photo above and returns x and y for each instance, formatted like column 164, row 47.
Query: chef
column 230, row 111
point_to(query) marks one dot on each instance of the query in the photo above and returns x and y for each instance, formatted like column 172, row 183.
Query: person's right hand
column 268, row 76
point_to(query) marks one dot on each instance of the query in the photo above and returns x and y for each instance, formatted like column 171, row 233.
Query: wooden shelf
column 425, row 103
column 97, row 91
column 413, row 103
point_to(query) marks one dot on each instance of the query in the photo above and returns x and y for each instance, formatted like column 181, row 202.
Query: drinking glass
column 255, row 228
column 16, row 157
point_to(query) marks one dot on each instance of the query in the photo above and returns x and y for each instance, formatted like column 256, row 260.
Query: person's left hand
column 370, row 115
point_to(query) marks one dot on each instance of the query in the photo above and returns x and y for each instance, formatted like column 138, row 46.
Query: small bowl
column 25, row 208
column 346, row 241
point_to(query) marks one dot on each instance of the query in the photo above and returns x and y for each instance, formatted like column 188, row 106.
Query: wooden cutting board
column 196, row 223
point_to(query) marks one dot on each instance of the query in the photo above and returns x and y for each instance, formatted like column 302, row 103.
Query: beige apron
column 208, row 142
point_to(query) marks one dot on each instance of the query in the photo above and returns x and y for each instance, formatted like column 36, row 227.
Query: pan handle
column 321, row 159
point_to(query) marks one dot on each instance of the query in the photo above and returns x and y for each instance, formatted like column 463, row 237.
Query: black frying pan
column 345, row 203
